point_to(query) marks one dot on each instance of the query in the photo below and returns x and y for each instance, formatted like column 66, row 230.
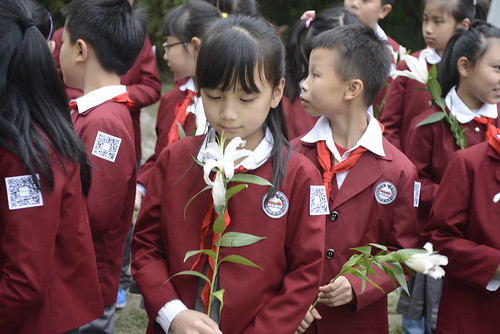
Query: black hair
column 237, row 7
column 34, row 110
column 115, row 29
column 234, row 48
column 464, row 9
column 360, row 54
column 388, row 2
column 43, row 19
column 472, row 44
column 299, row 47
column 189, row 20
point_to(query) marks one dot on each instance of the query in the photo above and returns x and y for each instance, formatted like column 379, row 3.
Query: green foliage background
column 403, row 23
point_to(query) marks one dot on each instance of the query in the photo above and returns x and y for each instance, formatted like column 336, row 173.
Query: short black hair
column 388, row 2
column 115, row 29
column 361, row 55
column 237, row 7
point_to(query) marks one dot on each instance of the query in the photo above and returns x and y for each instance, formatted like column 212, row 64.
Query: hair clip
column 308, row 17
column 51, row 26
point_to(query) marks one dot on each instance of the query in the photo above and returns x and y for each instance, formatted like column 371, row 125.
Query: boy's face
column 67, row 60
column 323, row 90
column 368, row 11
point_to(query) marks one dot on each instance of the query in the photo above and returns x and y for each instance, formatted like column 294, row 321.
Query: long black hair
column 464, row 9
column 471, row 44
column 231, row 52
column 34, row 111
column 299, row 46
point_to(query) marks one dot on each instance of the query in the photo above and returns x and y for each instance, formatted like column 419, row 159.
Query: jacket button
column 330, row 254
column 334, row 215
column 477, row 129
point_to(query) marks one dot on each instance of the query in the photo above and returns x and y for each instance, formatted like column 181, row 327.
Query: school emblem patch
column 22, row 192
column 276, row 206
column 385, row 192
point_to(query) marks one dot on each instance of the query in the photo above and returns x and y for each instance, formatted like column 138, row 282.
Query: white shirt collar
column 98, row 96
column 371, row 138
column 381, row 33
column 189, row 85
column 260, row 154
column 462, row 113
column 432, row 56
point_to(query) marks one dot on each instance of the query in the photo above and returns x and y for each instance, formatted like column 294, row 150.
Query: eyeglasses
column 166, row 45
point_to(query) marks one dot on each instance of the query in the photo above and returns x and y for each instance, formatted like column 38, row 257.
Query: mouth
column 429, row 40
column 303, row 101
column 229, row 129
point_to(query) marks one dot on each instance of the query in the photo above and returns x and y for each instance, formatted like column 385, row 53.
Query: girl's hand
column 193, row 322
column 138, row 200
column 308, row 319
column 337, row 293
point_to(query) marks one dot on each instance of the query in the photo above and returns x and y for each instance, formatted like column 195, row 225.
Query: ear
column 194, row 46
column 464, row 24
column 463, row 66
column 278, row 93
column 384, row 11
column 82, row 51
column 354, row 89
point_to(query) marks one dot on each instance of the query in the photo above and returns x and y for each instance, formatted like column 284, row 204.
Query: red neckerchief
column 180, row 116
column 208, row 220
column 122, row 98
column 325, row 161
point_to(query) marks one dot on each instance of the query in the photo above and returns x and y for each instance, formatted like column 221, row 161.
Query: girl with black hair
column 181, row 111
column 240, row 72
column 48, row 275
column 298, row 50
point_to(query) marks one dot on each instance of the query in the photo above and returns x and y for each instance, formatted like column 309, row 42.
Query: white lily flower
column 398, row 55
column 428, row 263
column 222, row 160
column 418, row 68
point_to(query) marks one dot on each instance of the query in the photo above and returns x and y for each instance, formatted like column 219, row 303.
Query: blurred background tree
column 403, row 23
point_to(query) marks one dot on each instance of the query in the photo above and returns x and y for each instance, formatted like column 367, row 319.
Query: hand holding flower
column 189, row 321
column 337, row 293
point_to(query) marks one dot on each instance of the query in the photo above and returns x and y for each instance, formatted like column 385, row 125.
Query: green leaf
column 398, row 272
column 234, row 190
column 219, row 294
column 237, row 239
column 249, row 178
column 382, row 247
column 208, row 252
column 192, row 198
column 363, row 250
column 190, row 272
column 219, row 224
column 433, row 72
column 436, row 117
column 240, row 260
column 357, row 273
column 182, row 133
column 440, row 102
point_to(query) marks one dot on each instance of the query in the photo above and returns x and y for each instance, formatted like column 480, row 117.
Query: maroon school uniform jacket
column 48, row 276
column 110, row 202
column 297, row 120
column 429, row 148
column 164, row 120
column 405, row 101
column 464, row 226
column 272, row 300
column 142, row 81
column 357, row 219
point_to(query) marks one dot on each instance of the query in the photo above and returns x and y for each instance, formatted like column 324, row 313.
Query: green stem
column 216, row 267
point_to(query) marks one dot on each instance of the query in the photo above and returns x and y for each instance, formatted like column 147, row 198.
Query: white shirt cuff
column 141, row 189
column 168, row 312
column 494, row 283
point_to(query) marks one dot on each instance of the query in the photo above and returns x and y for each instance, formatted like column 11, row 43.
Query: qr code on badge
column 318, row 202
column 22, row 192
column 106, row 146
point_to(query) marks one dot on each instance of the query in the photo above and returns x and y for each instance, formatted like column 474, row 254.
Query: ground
column 132, row 319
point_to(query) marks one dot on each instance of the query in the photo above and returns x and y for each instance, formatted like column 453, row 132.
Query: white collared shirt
column 381, row 33
column 98, row 96
column 371, row 140
column 432, row 56
column 196, row 108
column 462, row 113
column 261, row 154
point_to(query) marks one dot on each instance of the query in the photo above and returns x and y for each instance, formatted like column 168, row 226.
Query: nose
column 305, row 84
column 351, row 4
column 165, row 56
column 228, row 111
